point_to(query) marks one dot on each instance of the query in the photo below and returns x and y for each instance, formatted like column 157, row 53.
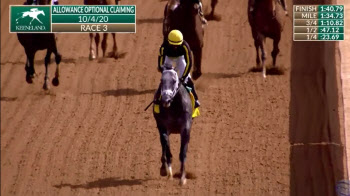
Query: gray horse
column 174, row 115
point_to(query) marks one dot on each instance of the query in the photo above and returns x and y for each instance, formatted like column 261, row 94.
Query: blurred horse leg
column 97, row 42
column 166, row 154
column 92, row 52
column 47, row 63
column 275, row 50
column 197, row 55
column 213, row 5
column 58, row 57
column 261, row 39
column 115, row 47
column 104, row 44
column 30, row 66
column 185, row 138
column 257, row 44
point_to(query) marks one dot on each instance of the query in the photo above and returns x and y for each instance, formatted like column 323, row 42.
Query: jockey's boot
column 200, row 12
column 191, row 85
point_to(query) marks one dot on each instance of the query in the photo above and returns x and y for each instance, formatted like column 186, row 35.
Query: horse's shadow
column 52, row 60
column 120, row 55
column 214, row 17
column 150, row 20
column 9, row 98
column 102, row 183
column 221, row 75
column 124, row 92
column 269, row 70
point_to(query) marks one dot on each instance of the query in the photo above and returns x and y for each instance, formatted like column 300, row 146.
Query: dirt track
column 91, row 136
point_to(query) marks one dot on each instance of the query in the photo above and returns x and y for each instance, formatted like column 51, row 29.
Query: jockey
column 177, row 51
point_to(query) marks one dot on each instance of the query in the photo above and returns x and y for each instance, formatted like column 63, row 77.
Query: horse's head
column 169, row 85
column 41, row 12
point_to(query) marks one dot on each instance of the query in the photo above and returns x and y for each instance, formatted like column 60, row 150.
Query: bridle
column 174, row 91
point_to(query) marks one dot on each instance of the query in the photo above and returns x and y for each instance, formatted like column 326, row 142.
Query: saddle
column 195, row 111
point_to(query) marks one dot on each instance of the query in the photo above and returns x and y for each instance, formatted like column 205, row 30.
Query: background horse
column 213, row 5
column 185, row 18
column 94, row 54
column 40, row 41
column 175, row 116
column 264, row 23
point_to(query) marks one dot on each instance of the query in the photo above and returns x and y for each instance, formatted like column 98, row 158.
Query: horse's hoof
column 92, row 57
column 163, row 171
column 170, row 173
column 116, row 56
column 183, row 181
column 46, row 87
column 55, row 81
column 29, row 79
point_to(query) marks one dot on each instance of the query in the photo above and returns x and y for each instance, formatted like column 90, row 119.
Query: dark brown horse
column 96, row 36
column 32, row 42
column 181, row 15
column 264, row 23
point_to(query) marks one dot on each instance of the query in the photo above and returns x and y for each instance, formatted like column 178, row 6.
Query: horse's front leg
column 263, row 54
column 185, row 138
column 92, row 52
column 30, row 71
column 275, row 50
column 47, row 62
column 97, row 42
column 55, row 80
column 165, row 169
column 104, row 44
column 115, row 47
column 197, row 55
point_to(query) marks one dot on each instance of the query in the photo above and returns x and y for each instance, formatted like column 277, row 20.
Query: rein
column 174, row 92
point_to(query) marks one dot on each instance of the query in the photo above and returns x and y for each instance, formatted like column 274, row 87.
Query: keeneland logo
column 30, row 19
column 33, row 13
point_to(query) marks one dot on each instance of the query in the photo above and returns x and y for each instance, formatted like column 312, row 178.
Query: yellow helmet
column 175, row 37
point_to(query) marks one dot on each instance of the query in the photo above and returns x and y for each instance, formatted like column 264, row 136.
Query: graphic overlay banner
column 111, row 18
column 73, row 19
column 318, row 22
